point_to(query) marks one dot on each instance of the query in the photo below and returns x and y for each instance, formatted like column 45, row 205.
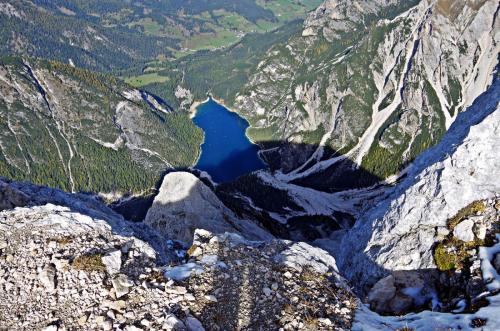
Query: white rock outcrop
column 400, row 231
column 463, row 231
column 185, row 204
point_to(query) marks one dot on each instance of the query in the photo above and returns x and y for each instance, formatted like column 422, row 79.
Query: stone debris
column 43, row 288
column 61, row 270
column 257, row 288
column 113, row 261
column 121, row 285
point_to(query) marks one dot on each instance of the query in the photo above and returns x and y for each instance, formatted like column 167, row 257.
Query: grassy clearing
column 142, row 80
column 287, row 10
column 218, row 39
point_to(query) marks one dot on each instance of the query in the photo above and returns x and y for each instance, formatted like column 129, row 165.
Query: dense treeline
column 64, row 147
column 113, row 35
column 88, row 44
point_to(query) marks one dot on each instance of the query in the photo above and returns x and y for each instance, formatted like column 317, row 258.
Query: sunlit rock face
column 380, row 81
column 399, row 233
column 185, row 204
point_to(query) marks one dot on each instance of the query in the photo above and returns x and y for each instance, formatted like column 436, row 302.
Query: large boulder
column 463, row 231
column 185, row 204
column 398, row 293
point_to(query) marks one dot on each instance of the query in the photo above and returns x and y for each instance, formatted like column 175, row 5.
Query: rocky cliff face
column 399, row 232
column 376, row 82
column 184, row 204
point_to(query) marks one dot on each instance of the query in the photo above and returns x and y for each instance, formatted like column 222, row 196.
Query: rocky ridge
column 78, row 265
column 377, row 82
column 184, row 203
column 442, row 181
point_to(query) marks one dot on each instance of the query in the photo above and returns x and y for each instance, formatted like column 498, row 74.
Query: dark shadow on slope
column 341, row 175
column 483, row 106
column 135, row 208
column 250, row 196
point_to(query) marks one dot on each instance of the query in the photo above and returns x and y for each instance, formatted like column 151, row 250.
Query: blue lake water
column 226, row 152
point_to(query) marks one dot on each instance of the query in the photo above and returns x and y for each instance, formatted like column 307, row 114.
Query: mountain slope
column 78, row 265
column 401, row 231
column 76, row 130
column 109, row 35
column 376, row 83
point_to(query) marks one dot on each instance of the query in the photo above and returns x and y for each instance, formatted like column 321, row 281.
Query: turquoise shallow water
column 226, row 153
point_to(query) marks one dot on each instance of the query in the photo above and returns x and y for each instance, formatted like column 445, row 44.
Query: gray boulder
column 185, row 204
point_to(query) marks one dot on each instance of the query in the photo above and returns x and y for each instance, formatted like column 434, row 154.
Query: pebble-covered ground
column 249, row 288
column 61, row 270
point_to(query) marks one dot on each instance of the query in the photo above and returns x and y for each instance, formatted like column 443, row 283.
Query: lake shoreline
column 195, row 111
column 194, row 108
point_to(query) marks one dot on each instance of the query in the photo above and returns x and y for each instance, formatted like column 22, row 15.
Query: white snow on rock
column 367, row 320
column 490, row 274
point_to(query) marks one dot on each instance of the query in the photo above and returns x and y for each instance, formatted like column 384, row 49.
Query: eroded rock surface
column 184, row 204
column 401, row 231
column 266, row 285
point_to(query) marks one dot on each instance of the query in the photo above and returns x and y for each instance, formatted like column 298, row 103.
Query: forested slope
column 78, row 130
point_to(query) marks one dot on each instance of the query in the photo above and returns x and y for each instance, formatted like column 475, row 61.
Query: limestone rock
column 122, row 285
column 463, row 230
column 184, row 204
column 300, row 255
column 398, row 292
column 382, row 293
column 113, row 261
column 399, row 232
column 480, row 227
column 51, row 259
column 48, row 277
